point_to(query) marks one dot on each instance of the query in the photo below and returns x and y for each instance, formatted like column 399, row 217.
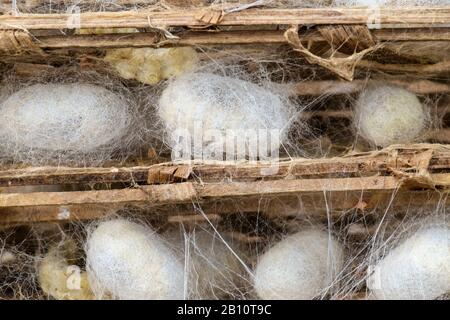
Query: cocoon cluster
column 126, row 260
column 302, row 266
column 213, row 269
column 418, row 268
column 388, row 115
column 59, row 122
column 149, row 65
column 211, row 113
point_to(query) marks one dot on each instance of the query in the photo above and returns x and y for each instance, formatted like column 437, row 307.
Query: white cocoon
column 389, row 115
column 211, row 111
column 126, row 260
column 62, row 117
column 419, row 268
column 300, row 267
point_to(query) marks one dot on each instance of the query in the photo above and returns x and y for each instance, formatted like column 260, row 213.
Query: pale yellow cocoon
column 61, row 280
column 126, row 260
column 301, row 267
column 418, row 268
column 149, row 65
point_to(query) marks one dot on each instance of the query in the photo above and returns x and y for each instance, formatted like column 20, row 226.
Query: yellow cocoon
column 149, row 65
column 60, row 279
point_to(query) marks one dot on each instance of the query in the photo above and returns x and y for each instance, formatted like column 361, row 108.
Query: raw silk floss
column 417, row 268
column 74, row 123
column 207, row 115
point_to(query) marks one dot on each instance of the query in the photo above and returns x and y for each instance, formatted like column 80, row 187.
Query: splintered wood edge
column 382, row 17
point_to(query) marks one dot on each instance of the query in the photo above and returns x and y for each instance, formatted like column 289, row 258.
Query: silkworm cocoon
column 149, row 65
column 7, row 257
column 126, row 260
column 53, row 119
column 213, row 112
column 388, row 115
column 302, row 266
column 61, row 279
column 213, row 269
column 418, row 268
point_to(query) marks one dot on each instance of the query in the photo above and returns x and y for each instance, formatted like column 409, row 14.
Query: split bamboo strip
column 397, row 158
column 408, row 16
column 187, row 192
column 197, row 38
column 320, row 204
column 378, row 162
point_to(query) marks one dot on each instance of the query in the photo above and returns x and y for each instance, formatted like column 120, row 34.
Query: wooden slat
column 321, row 204
column 197, row 38
column 190, row 192
column 318, row 204
column 397, row 157
column 332, row 87
column 156, row 195
column 408, row 16
column 62, row 175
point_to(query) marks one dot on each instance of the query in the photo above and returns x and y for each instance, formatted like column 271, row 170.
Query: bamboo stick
column 332, row 87
column 362, row 164
column 197, row 38
column 320, row 204
column 188, row 192
column 436, row 68
column 408, row 16
column 378, row 162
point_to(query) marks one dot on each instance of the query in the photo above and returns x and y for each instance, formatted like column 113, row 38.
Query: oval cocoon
column 389, row 115
column 214, row 109
column 419, row 268
column 300, row 267
column 129, row 261
column 62, row 117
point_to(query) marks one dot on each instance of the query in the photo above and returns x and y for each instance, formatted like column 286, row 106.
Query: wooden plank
column 405, row 16
column 28, row 215
column 333, row 87
column 155, row 195
column 193, row 218
column 198, row 38
column 62, row 175
column 318, row 204
column 398, row 158
column 190, row 192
